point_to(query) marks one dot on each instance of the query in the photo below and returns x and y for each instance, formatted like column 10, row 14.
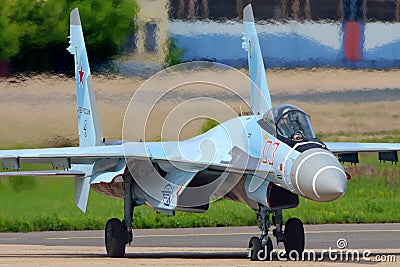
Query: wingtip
column 74, row 17
column 248, row 13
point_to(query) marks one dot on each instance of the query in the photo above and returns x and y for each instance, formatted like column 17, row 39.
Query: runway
column 190, row 246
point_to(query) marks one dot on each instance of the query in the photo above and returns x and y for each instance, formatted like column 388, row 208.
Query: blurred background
column 293, row 33
column 336, row 59
column 136, row 37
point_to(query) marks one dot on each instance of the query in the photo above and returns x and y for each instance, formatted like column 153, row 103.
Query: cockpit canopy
column 290, row 122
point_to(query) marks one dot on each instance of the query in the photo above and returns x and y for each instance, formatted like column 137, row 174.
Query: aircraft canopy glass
column 290, row 121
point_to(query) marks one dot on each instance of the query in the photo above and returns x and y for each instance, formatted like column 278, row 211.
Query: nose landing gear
column 261, row 248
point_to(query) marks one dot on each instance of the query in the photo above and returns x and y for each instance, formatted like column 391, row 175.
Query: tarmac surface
column 199, row 247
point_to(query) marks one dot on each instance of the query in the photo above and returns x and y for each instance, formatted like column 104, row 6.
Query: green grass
column 367, row 200
column 39, row 204
column 48, row 205
column 208, row 125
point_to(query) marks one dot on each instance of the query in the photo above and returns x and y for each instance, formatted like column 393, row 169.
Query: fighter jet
column 266, row 160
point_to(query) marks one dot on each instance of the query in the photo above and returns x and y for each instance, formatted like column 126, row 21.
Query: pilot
column 294, row 122
column 297, row 136
column 284, row 127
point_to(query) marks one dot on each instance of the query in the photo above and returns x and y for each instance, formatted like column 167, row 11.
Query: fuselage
column 303, row 166
column 292, row 167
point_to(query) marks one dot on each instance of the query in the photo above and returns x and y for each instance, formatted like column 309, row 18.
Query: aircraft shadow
column 53, row 255
column 200, row 255
column 319, row 257
column 188, row 255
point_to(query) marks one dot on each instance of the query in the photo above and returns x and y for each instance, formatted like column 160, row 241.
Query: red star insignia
column 81, row 74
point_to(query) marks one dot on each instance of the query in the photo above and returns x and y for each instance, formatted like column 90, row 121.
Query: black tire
column 115, row 238
column 294, row 237
column 269, row 248
column 254, row 247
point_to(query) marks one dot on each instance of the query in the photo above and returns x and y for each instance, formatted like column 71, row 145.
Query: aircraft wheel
column 294, row 237
column 115, row 238
column 254, row 248
column 269, row 248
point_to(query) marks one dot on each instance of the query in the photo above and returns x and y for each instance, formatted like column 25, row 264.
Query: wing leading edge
column 349, row 147
column 348, row 151
column 155, row 152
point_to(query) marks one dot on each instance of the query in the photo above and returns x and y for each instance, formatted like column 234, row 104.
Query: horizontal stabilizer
column 81, row 189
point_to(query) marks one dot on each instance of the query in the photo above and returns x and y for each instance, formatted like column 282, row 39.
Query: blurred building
column 314, row 10
column 148, row 47
column 292, row 33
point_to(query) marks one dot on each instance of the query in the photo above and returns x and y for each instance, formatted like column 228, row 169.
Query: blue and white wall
column 291, row 44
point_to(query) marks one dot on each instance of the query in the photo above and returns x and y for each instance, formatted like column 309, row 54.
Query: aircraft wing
column 62, row 157
column 44, row 173
column 155, row 152
column 348, row 147
column 348, row 151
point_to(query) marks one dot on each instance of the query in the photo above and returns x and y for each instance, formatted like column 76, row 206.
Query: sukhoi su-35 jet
column 272, row 154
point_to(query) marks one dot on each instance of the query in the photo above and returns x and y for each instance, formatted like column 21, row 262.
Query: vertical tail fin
column 90, row 133
column 259, row 92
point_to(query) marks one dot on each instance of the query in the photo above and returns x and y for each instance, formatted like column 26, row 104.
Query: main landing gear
column 115, row 238
column 260, row 248
column 118, row 234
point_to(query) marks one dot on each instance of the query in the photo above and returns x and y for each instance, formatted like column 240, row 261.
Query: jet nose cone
column 329, row 183
column 318, row 175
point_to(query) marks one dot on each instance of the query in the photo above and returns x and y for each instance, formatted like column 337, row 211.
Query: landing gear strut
column 260, row 248
column 117, row 233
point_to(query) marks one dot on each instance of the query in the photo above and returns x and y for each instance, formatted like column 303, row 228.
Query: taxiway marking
column 223, row 234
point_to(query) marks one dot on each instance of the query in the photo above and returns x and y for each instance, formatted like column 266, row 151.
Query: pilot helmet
column 285, row 114
column 285, row 111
